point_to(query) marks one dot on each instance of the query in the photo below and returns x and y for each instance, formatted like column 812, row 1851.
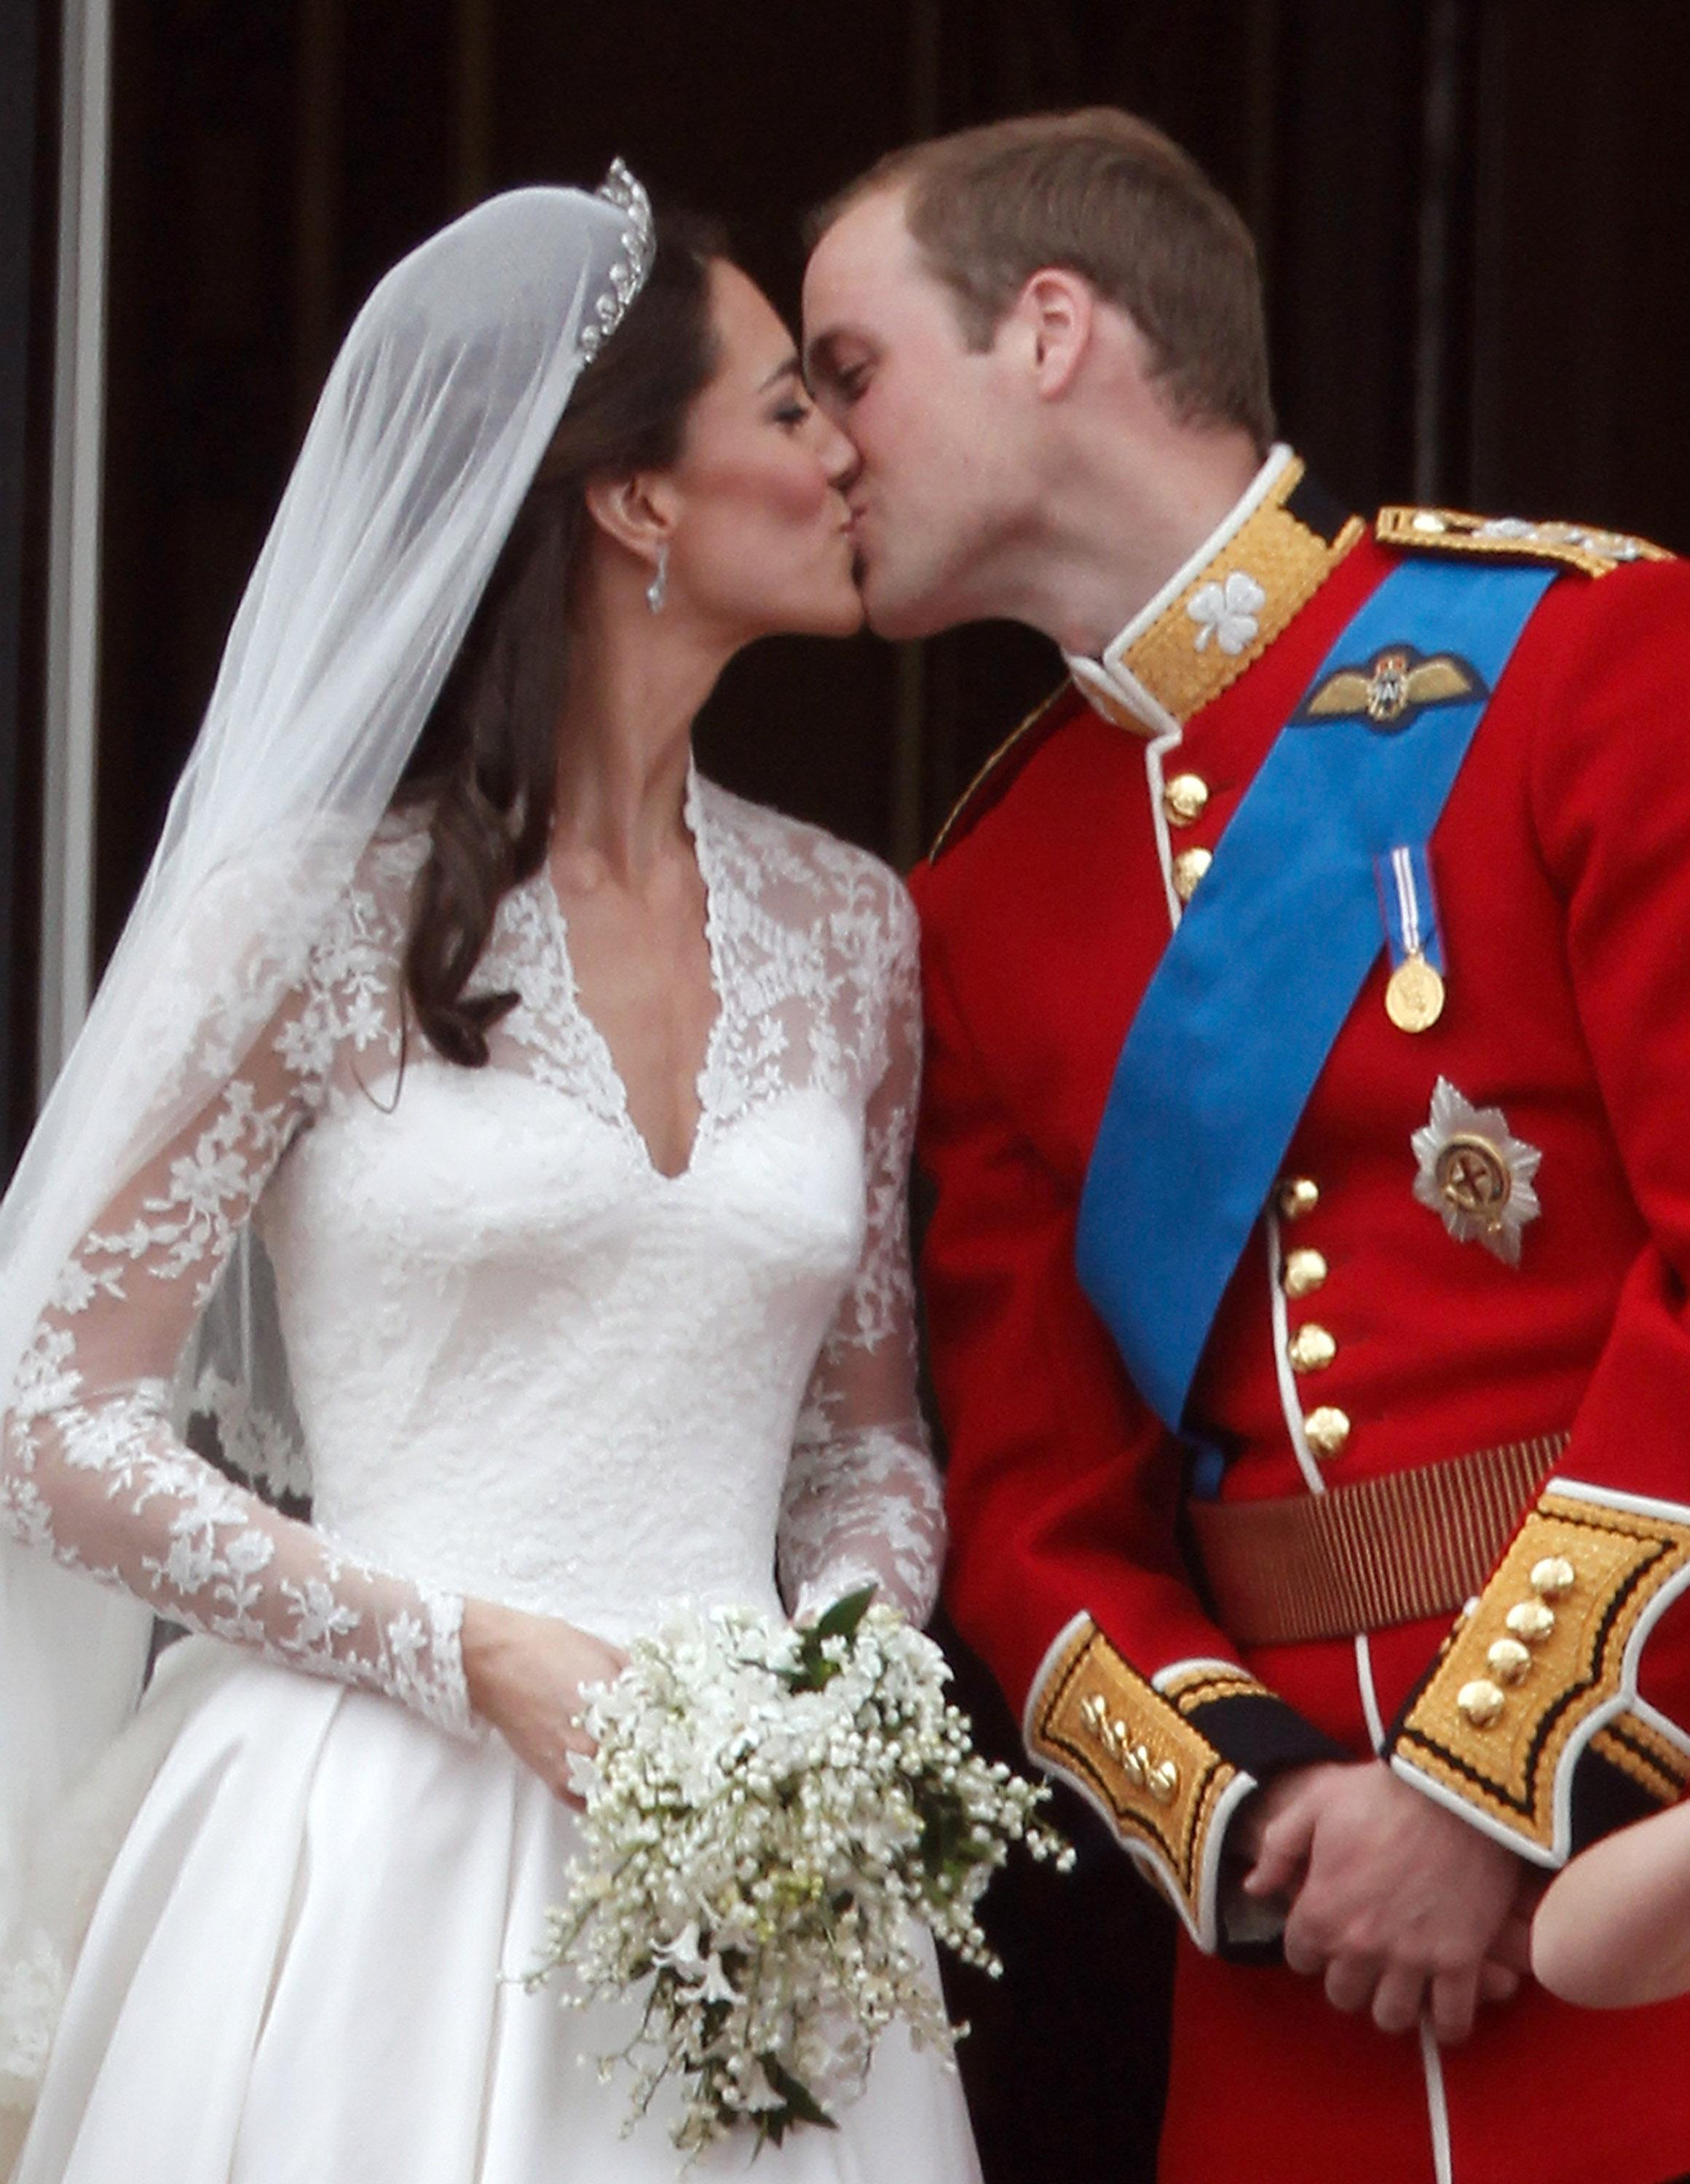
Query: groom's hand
column 1404, row 1907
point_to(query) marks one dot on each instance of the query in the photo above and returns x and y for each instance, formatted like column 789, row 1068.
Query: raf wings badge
column 1393, row 689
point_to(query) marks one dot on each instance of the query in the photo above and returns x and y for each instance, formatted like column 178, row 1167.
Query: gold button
column 1312, row 1348
column 1189, row 867
column 1508, row 1660
column 1532, row 1620
column 1553, row 1578
column 1304, row 1271
column 1186, row 799
column 1163, row 1781
column 1296, row 1195
column 1326, row 1430
column 1480, row 1701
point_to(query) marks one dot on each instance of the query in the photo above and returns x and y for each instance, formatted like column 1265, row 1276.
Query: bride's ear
column 639, row 511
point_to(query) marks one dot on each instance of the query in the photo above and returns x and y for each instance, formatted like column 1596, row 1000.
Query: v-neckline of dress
column 612, row 1085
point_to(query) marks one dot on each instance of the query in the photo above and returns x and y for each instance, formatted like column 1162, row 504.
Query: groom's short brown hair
column 1105, row 195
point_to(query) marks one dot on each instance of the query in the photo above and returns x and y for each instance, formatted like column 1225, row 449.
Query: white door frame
column 72, row 691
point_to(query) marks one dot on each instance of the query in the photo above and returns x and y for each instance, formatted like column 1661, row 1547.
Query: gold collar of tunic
column 1218, row 614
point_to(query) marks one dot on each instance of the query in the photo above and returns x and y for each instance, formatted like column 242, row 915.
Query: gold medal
column 1414, row 997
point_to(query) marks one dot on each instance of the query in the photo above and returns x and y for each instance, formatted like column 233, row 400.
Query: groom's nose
column 839, row 456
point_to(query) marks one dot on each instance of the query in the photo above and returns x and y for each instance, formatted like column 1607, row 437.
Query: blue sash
column 1236, row 1025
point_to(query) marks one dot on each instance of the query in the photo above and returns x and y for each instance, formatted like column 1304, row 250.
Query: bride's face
column 761, row 538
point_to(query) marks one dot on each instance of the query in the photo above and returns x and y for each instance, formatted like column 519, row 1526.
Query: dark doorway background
column 1469, row 213
column 1467, row 210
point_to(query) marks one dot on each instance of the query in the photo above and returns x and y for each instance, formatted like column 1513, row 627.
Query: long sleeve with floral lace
column 863, row 1503
column 92, row 1472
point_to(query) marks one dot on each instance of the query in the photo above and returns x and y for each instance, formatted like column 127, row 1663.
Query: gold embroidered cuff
column 1162, row 1786
column 1542, row 1665
column 1660, row 1766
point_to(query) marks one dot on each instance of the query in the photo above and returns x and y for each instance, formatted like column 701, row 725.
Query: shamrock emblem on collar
column 1228, row 613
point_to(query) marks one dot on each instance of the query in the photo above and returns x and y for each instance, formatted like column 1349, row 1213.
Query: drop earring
column 657, row 590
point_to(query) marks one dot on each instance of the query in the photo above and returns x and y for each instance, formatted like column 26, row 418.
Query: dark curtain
column 1462, row 207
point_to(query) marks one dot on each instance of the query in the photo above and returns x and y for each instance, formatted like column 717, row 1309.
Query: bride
column 490, row 1116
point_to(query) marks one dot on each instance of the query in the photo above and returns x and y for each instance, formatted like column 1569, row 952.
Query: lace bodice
column 527, row 1365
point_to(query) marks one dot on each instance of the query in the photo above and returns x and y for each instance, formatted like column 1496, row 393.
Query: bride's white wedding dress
column 529, row 1367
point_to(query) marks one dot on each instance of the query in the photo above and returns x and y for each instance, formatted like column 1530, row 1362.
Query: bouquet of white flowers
column 769, row 1810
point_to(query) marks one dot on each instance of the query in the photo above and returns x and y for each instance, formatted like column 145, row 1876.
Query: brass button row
column 1529, row 1622
column 1158, row 1779
column 1312, row 1347
column 1185, row 799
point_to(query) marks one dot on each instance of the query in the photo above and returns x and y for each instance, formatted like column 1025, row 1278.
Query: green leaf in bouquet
column 842, row 1619
column 798, row 2103
column 814, row 1670
column 947, row 1835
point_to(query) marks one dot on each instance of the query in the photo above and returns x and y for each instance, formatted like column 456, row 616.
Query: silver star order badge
column 1475, row 1173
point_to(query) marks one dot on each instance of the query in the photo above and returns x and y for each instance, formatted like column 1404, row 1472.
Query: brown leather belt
column 1361, row 1557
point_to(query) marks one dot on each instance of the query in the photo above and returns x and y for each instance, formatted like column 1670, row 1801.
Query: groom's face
column 886, row 360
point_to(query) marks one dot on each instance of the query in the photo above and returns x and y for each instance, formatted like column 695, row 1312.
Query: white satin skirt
column 299, row 1970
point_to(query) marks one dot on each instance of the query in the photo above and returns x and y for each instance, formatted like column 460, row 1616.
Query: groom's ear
column 639, row 511
column 1054, row 315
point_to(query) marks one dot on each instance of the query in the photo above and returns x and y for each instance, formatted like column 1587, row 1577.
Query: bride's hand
column 524, row 1674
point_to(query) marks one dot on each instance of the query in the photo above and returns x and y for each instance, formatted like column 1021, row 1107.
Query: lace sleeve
column 92, row 1470
column 862, row 1503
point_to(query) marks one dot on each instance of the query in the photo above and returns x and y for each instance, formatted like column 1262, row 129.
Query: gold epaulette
column 1581, row 546
column 1131, row 1750
column 1000, row 768
column 1543, row 1665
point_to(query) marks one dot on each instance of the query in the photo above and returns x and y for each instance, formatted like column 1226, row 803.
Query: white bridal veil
column 427, row 434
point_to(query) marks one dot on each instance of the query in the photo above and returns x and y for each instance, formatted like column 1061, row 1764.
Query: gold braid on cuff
column 1158, row 1782
column 1543, row 1665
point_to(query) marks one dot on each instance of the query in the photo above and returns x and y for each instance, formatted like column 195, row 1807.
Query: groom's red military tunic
column 1369, row 1338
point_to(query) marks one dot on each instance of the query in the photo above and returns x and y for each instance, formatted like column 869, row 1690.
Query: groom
column 1309, row 1111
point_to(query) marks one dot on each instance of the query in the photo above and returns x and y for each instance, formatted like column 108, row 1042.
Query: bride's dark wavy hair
column 484, row 770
